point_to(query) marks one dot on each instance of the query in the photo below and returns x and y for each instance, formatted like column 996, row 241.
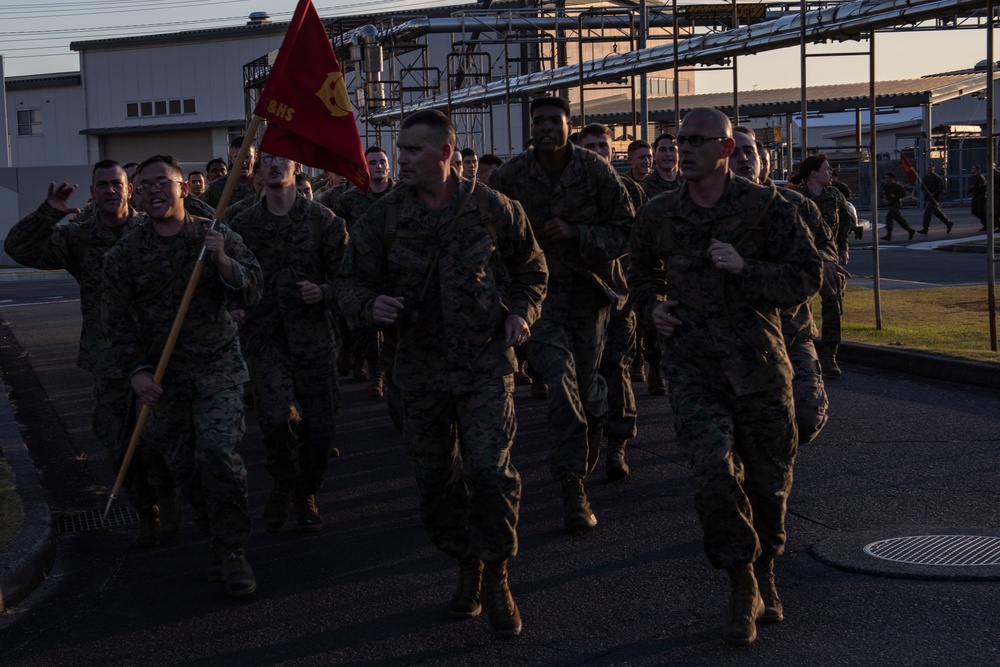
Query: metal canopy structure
column 823, row 99
column 846, row 21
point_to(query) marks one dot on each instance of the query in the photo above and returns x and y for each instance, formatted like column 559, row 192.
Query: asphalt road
column 897, row 457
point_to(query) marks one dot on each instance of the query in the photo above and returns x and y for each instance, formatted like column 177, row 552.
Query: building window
column 29, row 122
column 178, row 107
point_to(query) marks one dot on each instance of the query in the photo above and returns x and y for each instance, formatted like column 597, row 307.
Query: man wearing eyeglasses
column 42, row 241
column 362, row 343
column 197, row 410
column 581, row 214
column 288, row 339
column 712, row 262
column 244, row 185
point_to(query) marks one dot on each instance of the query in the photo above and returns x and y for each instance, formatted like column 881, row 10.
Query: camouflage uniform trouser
column 362, row 342
column 807, row 386
column 718, row 431
column 567, row 355
column 895, row 215
column 932, row 208
column 616, row 369
column 832, row 308
column 198, row 435
column 470, row 492
column 113, row 420
column 297, row 411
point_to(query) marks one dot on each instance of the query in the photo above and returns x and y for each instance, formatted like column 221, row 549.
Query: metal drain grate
column 944, row 550
column 79, row 522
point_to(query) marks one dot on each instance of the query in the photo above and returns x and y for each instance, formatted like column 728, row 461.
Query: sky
column 35, row 38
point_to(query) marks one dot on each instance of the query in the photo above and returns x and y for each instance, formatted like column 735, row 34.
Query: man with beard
column 41, row 241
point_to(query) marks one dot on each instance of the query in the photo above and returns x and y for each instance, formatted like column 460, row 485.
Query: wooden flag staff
column 175, row 329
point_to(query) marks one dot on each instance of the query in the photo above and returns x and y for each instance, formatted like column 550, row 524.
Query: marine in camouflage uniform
column 581, row 215
column 816, row 177
column 357, row 341
column 288, row 339
column 42, row 241
column 933, row 187
column 797, row 326
column 422, row 261
column 712, row 263
column 328, row 194
column 197, row 411
column 620, row 344
column 977, row 190
column 655, row 183
column 244, row 185
column 893, row 193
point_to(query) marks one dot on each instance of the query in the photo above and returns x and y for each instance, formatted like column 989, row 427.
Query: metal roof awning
column 824, row 98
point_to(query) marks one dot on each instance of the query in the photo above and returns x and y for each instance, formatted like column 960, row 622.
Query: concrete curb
column 29, row 558
column 922, row 364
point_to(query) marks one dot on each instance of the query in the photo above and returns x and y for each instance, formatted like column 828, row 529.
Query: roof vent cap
column 259, row 18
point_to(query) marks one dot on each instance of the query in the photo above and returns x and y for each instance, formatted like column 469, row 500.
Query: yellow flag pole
column 175, row 329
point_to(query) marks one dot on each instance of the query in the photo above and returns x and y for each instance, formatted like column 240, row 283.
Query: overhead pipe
column 847, row 21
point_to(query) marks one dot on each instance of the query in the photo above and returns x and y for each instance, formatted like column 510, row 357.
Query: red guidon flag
column 306, row 104
column 908, row 169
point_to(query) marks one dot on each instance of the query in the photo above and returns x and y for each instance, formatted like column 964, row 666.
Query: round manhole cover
column 943, row 550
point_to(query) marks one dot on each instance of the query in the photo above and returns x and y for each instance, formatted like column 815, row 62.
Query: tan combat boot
column 578, row 515
column 307, row 517
column 616, row 467
column 375, row 384
column 763, row 571
column 505, row 618
column 745, row 607
column 828, row 360
column 240, row 579
column 466, row 601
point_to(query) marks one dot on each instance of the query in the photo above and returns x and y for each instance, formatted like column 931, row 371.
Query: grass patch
column 952, row 321
column 11, row 514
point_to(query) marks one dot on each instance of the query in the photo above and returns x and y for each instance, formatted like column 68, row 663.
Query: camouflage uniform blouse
column 833, row 208
column 144, row 279
column 731, row 331
column 78, row 246
column 587, row 193
column 307, row 243
column 454, row 340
